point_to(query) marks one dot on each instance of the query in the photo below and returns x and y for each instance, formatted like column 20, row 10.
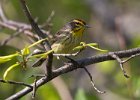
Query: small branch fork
column 88, row 73
column 121, row 62
column 91, row 80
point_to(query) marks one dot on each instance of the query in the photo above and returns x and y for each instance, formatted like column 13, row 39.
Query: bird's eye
column 77, row 24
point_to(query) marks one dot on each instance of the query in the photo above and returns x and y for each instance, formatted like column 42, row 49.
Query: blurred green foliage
column 66, row 10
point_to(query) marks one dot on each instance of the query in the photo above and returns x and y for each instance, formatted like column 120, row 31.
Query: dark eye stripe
column 79, row 21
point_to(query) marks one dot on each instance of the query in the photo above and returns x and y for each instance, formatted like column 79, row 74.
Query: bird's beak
column 87, row 26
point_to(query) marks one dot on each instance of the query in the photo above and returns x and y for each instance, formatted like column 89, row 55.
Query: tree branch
column 68, row 67
column 41, row 35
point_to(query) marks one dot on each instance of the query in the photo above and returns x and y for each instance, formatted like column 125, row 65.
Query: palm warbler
column 68, row 37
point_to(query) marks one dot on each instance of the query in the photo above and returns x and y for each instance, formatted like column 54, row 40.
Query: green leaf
column 80, row 95
column 25, row 51
column 81, row 43
column 9, row 69
column 53, row 94
column 36, row 43
column 97, row 48
column 43, row 55
column 4, row 59
column 82, row 46
column 136, row 86
column 93, row 44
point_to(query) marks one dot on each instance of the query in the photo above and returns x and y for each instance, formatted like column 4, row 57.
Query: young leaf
column 25, row 51
column 80, row 95
column 93, row 44
column 9, row 69
column 96, row 48
column 82, row 46
column 43, row 55
column 36, row 43
column 78, row 48
column 4, row 59
column 83, row 43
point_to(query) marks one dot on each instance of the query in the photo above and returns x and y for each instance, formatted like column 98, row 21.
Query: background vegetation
column 115, row 26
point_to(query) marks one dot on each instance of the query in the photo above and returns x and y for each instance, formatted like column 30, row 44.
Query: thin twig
column 31, row 20
column 4, row 42
column 130, row 57
column 47, row 25
column 73, row 54
column 91, row 80
column 16, row 83
column 121, row 62
column 64, row 55
column 2, row 16
column 90, row 76
column 15, row 28
column 37, row 75
column 48, row 21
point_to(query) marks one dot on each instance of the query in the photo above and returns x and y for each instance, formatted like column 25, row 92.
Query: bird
column 68, row 37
